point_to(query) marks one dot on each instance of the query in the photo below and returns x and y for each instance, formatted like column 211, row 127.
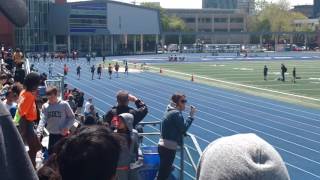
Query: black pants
column 53, row 139
column 30, row 138
column 166, row 160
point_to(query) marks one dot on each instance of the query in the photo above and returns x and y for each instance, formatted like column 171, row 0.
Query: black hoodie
column 138, row 114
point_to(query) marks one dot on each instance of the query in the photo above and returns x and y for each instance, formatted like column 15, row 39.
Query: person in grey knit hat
column 241, row 157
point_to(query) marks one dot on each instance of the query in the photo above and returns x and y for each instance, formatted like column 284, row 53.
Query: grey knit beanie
column 241, row 157
column 128, row 120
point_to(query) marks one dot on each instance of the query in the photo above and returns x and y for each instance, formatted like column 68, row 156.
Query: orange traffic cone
column 192, row 78
column 160, row 70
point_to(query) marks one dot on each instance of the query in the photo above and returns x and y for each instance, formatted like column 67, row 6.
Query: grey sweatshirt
column 56, row 117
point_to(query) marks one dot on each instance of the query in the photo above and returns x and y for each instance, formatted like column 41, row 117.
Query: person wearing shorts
column 117, row 67
column 65, row 70
column 99, row 71
column 126, row 69
column 92, row 71
column 110, row 70
column 78, row 71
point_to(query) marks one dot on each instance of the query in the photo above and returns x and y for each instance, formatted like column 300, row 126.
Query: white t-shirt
column 8, row 106
column 87, row 107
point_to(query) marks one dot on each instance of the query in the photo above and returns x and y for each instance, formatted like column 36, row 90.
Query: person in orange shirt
column 65, row 70
column 27, row 114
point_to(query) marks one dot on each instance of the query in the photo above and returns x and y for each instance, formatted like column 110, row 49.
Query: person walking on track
column 92, row 71
column 294, row 74
column 99, row 71
column 117, row 67
column 283, row 72
column 65, row 70
column 265, row 72
column 110, row 70
column 78, row 71
column 126, row 69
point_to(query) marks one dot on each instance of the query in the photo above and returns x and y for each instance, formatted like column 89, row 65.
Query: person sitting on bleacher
column 241, row 157
column 18, row 57
column 92, row 112
column 129, row 147
column 57, row 116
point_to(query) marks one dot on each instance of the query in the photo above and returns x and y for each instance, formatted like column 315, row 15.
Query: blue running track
column 293, row 130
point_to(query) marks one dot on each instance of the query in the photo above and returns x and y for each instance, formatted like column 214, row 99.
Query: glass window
column 236, row 20
column 220, row 20
column 236, row 30
column 221, row 30
column 189, row 20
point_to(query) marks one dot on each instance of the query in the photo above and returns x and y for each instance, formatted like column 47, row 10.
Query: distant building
column 101, row 26
column 244, row 5
column 306, row 10
column 214, row 20
column 306, row 24
column 316, row 8
column 35, row 36
column 219, row 4
column 247, row 6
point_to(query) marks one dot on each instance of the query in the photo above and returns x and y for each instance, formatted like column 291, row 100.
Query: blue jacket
column 174, row 127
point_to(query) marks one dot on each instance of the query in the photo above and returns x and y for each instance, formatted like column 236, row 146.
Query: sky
column 195, row 3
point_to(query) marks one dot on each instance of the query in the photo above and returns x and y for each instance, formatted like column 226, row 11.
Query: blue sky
column 195, row 3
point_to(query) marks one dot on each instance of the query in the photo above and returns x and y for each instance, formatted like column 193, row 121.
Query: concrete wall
column 127, row 19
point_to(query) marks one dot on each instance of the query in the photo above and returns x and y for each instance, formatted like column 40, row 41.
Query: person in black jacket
column 19, row 74
column 123, row 99
column 265, row 72
column 283, row 72
column 92, row 71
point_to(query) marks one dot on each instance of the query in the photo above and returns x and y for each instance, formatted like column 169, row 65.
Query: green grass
column 251, row 73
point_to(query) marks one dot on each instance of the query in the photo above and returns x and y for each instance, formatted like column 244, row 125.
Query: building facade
column 104, row 27
column 34, row 36
column 306, row 10
column 219, row 4
column 244, row 5
column 316, row 8
column 220, row 21
column 302, row 25
column 247, row 6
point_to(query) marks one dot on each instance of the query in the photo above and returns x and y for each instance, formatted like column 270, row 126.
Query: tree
column 168, row 23
column 273, row 17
